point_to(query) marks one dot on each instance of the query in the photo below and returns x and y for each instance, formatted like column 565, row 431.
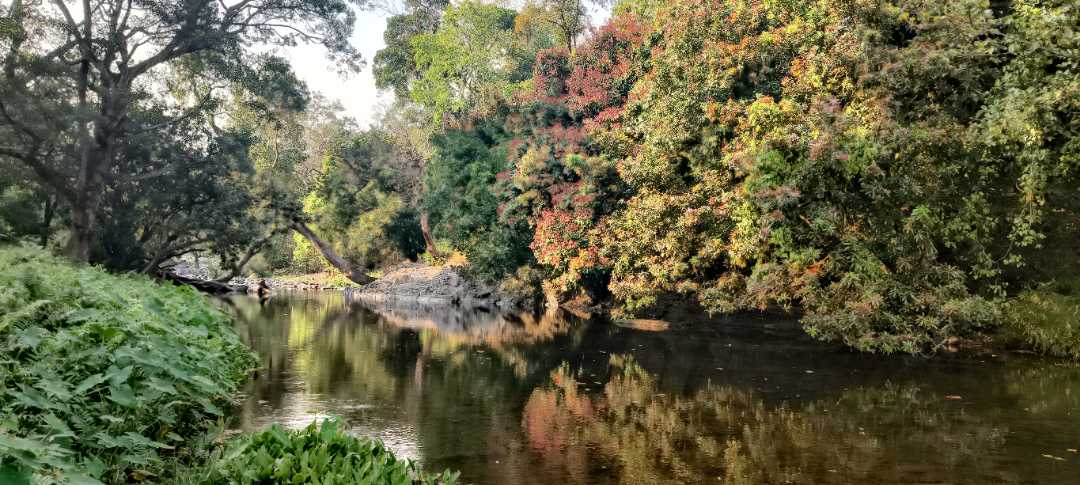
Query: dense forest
column 901, row 173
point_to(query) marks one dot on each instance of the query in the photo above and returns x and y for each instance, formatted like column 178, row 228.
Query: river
column 565, row 399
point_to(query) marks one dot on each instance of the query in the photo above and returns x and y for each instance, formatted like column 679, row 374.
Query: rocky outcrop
column 432, row 285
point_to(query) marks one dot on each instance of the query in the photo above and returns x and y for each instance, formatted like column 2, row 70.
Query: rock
column 420, row 283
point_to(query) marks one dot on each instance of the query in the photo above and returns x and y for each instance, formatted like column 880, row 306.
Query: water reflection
column 727, row 433
column 556, row 399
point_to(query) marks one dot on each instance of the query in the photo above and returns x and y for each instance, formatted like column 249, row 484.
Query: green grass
column 103, row 377
column 1046, row 320
column 320, row 454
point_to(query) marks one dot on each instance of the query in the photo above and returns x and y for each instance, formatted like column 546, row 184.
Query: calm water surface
column 560, row 399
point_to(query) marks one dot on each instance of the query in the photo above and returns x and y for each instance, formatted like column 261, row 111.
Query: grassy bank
column 116, row 379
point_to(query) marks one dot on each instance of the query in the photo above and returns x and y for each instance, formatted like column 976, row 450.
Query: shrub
column 1046, row 320
column 103, row 375
column 321, row 453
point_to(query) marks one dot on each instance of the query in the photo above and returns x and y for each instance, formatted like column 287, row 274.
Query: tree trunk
column 82, row 232
column 357, row 276
column 46, row 220
column 82, row 214
column 429, row 241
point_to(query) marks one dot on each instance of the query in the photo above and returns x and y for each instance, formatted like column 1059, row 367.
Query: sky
column 357, row 92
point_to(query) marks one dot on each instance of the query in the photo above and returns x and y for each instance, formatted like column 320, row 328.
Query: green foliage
column 102, row 376
column 459, row 179
column 1046, row 320
column 359, row 202
column 461, row 199
column 395, row 65
column 104, row 143
column 305, row 256
column 465, row 64
column 1029, row 127
column 319, row 454
column 18, row 212
column 403, row 232
column 205, row 202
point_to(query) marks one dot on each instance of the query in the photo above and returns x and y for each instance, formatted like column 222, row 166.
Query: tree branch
column 357, row 276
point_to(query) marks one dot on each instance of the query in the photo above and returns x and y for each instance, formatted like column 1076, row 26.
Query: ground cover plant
column 102, row 377
column 322, row 453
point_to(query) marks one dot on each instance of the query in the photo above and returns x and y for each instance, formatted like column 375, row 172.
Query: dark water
column 563, row 400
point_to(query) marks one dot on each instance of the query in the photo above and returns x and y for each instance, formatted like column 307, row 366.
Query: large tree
column 74, row 74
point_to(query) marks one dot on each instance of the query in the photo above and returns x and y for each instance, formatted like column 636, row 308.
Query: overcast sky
column 356, row 93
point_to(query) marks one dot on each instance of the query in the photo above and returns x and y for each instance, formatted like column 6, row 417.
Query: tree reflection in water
column 554, row 399
column 884, row 434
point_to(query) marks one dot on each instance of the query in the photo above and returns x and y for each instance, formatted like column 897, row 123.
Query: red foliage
column 549, row 75
column 573, row 97
column 562, row 240
column 600, row 68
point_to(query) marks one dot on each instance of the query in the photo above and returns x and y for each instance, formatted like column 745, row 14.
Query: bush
column 101, row 376
column 1046, row 320
column 322, row 454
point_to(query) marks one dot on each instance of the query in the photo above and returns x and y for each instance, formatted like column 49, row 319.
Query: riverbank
column 114, row 378
column 433, row 285
column 1045, row 321
column 310, row 281
column 409, row 283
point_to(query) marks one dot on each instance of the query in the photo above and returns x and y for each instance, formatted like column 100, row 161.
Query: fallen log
column 205, row 286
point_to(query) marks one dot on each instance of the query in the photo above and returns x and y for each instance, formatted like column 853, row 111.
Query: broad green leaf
column 10, row 474
column 123, row 395
column 58, row 426
column 89, row 382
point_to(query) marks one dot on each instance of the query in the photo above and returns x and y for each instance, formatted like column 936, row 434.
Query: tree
column 569, row 19
column 27, row 210
column 463, row 199
column 410, row 130
column 360, row 201
column 466, row 63
column 69, row 90
column 1030, row 134
column 889, row 167
column 395, row 66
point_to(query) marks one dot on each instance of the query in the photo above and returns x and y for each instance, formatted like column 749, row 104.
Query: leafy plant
column 103, row 376
column 1047, row 320
column 319, row 454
